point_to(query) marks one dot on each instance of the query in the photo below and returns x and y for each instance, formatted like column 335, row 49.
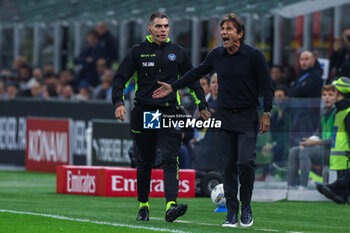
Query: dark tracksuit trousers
column 169, row 142
column 236, row 146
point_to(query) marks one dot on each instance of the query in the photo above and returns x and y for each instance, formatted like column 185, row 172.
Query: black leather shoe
column 143, row 214
column 246, row 216
column 319, row 188
column 175, row 211
column 231, row 221
column 332, row 195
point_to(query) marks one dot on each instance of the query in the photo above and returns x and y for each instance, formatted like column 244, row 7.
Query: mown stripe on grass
column 95, row 222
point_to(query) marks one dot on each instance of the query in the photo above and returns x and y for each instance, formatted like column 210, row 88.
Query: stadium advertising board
column 110, row 143
column 117, row 181
column 13, row 124
column 48, row 144
column 80, row 180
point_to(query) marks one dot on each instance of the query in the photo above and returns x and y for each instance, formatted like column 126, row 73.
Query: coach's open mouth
column 225, row 39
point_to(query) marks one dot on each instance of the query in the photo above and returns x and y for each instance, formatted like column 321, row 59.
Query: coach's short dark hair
column 237, row 23
column 157, row 14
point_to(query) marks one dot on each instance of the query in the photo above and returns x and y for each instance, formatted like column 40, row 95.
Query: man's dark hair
column 278, row 67
column 157, row 14
column 237, row 23
column 206, row 78
column 282, row 88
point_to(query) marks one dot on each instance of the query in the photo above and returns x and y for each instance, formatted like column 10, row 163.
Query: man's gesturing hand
column 120, row 112
column 162, row 91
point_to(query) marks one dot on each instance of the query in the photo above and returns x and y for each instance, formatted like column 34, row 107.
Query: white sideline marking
column 126, row 225
column 270, row 230
column 90, row 221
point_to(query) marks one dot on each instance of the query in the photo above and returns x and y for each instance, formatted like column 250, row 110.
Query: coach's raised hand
column 162, row 91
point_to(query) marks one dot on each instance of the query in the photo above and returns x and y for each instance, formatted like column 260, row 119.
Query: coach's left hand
column 264, row 124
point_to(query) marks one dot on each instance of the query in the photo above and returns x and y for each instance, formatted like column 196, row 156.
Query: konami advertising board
column 48, row 144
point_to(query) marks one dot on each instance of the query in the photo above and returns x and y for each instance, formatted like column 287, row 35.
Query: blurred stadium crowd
column 92, row 74
column 91, row 77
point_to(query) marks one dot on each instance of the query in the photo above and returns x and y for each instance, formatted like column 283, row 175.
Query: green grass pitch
column 29, row 203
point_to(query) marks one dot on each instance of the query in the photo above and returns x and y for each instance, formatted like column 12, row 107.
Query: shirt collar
column 242, row 50
column 149, row 40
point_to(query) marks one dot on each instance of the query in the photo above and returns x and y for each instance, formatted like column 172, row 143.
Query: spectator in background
column 18, row 63
column 88, row 58
column 106, row 90
column 341, row 55
column 67, row 92
column 25, row 75
column 5, row 74
column 11, row 91
column 313, row 150
column 48, row 91
column 305, row 112
column 98, row 90
column 205, row 85
column 279, row 128
column 101, row 67
column 309, row 81
column 209, row 97
column 2, row 90
column 83, row 92
column 275, row 144
column 110, row 73
column 212, row 101
column 38, row 75
column 288, row 75
column 66, row 77
column 107, row 40
column 48, row 69
column 59, row 89
column 36, row 90
column 276, row 72
column 50, row 81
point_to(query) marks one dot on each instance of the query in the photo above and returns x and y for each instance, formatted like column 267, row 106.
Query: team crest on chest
column 172, row 57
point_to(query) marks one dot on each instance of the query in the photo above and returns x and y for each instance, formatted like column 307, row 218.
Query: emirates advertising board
column 117, row 181
column 48, row 144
